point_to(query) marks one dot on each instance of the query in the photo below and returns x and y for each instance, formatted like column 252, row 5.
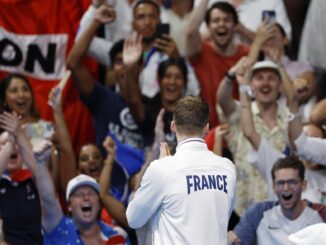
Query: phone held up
column 270, row 15
column 162, row 28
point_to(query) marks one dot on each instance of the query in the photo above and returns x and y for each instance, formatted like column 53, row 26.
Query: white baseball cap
column 81, row 180
column 266, row 64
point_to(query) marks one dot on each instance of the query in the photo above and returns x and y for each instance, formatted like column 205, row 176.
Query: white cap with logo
column 81, row 180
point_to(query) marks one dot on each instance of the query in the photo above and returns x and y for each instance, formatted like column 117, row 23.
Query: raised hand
column 275, row 52
column 167, row 45
column 97, row 3
column 55, row 98
column 233, row 239
column 7, row 137
column 42, row 150
column 242, row 69
column 11, row 122
column 164, row 150
column 56, row 92
column 300, row 86
column 132, row 49
column 265, row 31
column 221, row 130
column 109, row 146
column 159, row 127
column 105, row 14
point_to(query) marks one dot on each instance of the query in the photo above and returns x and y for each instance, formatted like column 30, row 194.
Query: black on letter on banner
column 34, row 54
column 6, row 59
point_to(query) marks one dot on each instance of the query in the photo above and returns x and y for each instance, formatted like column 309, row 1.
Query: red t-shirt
column 210, row 68
column 210, row 139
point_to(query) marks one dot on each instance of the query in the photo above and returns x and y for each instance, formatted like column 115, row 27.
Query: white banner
column 40, row 56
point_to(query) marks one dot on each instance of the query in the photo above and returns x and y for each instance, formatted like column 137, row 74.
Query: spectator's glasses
column 292, row 183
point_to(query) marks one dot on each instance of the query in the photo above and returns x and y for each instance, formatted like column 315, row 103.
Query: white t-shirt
column 100, row 47
column 311, row 148
column 266, row 223
column 187, row 198
column 275, row 227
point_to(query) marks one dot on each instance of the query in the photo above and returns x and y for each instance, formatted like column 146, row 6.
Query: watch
column 291, row 116
column 245, row 88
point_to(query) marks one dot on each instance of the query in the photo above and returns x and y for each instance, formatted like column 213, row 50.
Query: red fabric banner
column 35, row 39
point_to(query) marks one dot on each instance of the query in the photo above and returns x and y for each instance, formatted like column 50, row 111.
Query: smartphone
column 167, row 119
column 270, row 14
column 161, row 29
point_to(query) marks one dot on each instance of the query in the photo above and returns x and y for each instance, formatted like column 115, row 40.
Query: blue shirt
column 111, row 114
column 66, row 233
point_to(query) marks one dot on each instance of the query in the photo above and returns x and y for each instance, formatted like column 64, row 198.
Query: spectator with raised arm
column 16, row 94
column 308, row 148
column 90, row 162
column 114, row 207
column 109, row 109
column 178, row 17
column 20, row 208
column 264, row 155
column 64, row 159
column 270, row 121
column 146, row 17
column 250, row 15
column 301, row 73
column 113, row 31
column 318, row 113
column 156, row 47
column 83, row 200
column 213, row 59
column 172, row 77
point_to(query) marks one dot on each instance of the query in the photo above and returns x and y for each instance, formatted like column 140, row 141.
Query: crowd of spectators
column 260, row 78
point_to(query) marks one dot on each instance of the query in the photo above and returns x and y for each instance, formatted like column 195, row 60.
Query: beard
column 149, row 39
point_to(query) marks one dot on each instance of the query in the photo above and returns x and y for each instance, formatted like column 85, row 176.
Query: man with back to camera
column 186, row 198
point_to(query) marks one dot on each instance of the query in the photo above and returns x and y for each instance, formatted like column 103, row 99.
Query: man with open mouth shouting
column 272, row 222
column 83, row 201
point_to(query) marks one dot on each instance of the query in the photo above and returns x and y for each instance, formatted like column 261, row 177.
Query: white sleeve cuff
column 88, row 15
column 300, row 141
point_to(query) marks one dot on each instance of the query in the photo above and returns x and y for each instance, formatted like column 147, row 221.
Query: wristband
column 246, row 89
column 231, row 77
